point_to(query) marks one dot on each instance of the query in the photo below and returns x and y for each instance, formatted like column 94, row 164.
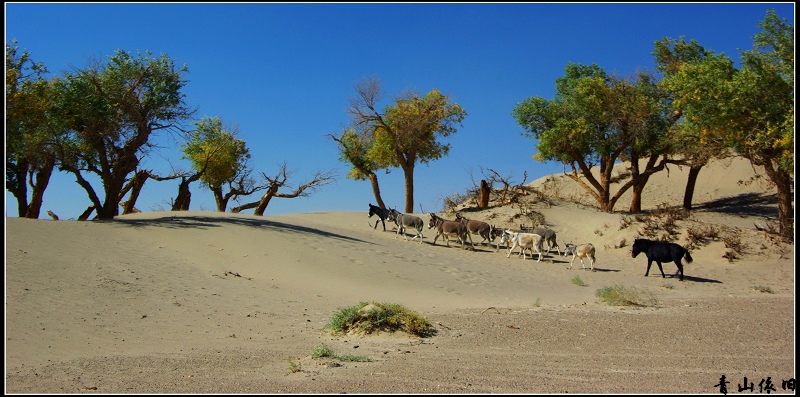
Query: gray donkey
column 402, row 220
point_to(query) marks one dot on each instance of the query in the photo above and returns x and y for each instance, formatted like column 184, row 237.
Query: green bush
column 369, row 317
column 619, row 295
column 326, row 351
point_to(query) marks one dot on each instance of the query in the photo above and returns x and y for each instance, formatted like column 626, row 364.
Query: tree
column 30, row 127
column 280, row 180
column 599, row 119
column 218, row 158
column 407, row 131
column 750, row 109
column 693, row 145
column 112, row 110
column 353, row 149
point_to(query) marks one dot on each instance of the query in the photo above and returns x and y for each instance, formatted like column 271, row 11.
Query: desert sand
column 204, row 302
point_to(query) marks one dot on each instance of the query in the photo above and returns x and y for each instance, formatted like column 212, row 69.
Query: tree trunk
column 783, row 183
column 636, row 199
column 184, row 196
column 20, row 188
column 85, row 215
column 110, row 207
column 409, row 177
column 688, row 194
column 42, row 179
column 484, row 195
column 222, row 202
column 376, row 190
column 265, row 199
column 137, row 183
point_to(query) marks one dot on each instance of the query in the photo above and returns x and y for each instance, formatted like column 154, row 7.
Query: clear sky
column 284, row 73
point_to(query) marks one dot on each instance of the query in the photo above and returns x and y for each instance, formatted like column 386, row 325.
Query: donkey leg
column 680, row 268
column 649, row 262
column 661, row 269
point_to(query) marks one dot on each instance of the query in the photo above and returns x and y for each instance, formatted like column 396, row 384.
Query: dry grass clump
column 578, row 281
column 324, row 350
column 369, row 317
column 619, row 295
column 701, row 235
column 661, row 223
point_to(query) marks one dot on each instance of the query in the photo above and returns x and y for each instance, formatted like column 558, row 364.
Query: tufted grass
column 619, row 295
column 389, row 317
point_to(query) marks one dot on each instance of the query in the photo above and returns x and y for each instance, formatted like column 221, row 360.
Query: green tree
column 218, row 158
column 112, row 109
column 750, row 109
column 694, row 146
column 596, row 119
column 30, row 130
column 407, row 132
column 353, row 149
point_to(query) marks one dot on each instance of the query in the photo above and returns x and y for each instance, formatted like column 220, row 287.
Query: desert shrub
column 577, row 281
column 619, row 295
column 534, row 218
column 660, row 224
column 379, row 317
column 293, row 366
column 326, row 351
column 451, row 202
column 624, row 222
column 701, row 235
column 733, row 241
column 761, row 288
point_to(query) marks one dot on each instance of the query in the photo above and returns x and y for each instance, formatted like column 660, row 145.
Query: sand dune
column 202, row 302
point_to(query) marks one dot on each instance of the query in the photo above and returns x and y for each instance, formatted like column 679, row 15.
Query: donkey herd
column 537, row 240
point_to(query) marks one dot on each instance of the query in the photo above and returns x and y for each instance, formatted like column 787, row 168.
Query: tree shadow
column 207, row 222
column 745, row 204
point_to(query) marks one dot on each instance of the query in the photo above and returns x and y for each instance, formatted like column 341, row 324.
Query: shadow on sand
column 205, row 222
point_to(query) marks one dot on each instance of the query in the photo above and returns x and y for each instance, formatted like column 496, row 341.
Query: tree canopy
column 597, row 119
column 407, row 132
column 30, row 127
column 750, row 109
column 111, row 109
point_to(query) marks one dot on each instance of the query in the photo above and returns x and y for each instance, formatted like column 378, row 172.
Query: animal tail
column 688, row 257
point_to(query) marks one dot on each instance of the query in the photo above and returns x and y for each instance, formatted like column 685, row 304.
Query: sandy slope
column 198, row 302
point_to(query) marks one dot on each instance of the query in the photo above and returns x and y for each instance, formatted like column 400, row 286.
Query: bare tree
column 280, row 180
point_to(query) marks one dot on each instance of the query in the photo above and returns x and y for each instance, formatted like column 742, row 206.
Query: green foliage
column 619, row 295
column 111, row 110
column 577, row 281
column 761, row 288
column 355, row 149
column 327, row 351
column 596, row 119
column 215, row 152
column 293, row 366
column 384, row 317
column 406, row 133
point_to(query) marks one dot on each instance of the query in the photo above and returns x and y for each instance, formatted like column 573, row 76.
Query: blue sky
column 284, row 72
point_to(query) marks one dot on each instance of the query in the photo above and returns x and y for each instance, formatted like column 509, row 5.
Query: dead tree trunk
column 483, row 202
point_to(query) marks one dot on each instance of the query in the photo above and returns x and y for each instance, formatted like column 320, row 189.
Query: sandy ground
column 202, row 302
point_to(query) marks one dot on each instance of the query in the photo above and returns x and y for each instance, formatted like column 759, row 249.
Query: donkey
column 523, row 241
column 580, row 251
column 448, row 229
column 660, row 251
column 549, row 237
column 403, row 220
column 382, row 214
column 483, row 229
